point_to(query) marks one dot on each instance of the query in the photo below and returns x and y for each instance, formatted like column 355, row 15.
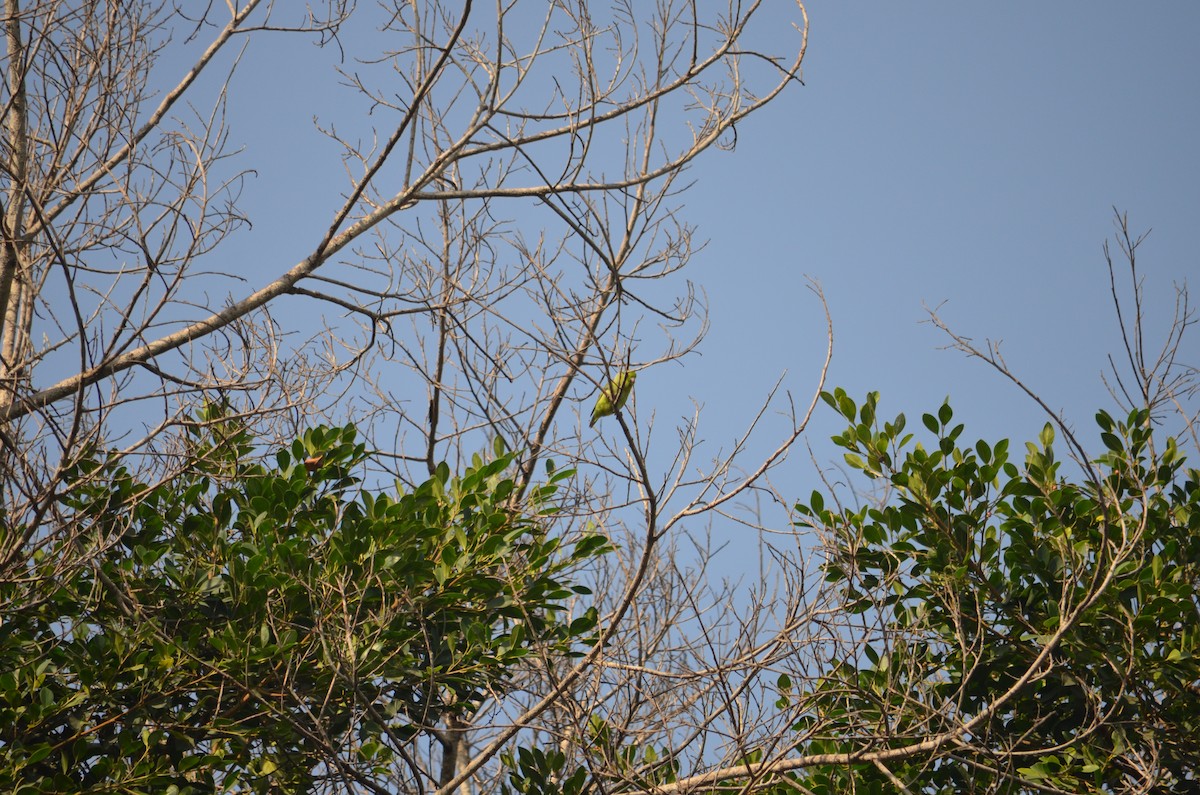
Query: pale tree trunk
column 15, row 281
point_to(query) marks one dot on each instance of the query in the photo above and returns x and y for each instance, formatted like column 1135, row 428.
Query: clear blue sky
column 965, row 155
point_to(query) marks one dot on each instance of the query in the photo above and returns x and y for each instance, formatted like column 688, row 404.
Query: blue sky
column 960, row 155
column 956, row 155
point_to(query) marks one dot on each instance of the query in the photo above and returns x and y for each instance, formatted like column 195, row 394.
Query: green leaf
column 945, row 414
column 1046, row 437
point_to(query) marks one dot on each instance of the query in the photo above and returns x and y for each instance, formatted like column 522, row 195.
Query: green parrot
column 613, row 396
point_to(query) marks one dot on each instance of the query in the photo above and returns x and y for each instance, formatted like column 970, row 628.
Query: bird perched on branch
column 613, row 396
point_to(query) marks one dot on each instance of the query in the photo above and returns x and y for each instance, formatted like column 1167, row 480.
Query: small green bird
column 613, row 396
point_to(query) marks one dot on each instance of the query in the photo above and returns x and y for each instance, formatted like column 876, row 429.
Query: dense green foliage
column 1018, row 625
column 226, row 629
column 1028, row 626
